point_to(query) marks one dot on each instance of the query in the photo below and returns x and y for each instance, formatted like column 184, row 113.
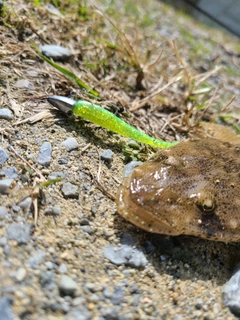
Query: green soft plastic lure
column 102, row 117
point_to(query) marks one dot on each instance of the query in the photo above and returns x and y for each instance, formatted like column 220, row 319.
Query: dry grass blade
column 138, row 104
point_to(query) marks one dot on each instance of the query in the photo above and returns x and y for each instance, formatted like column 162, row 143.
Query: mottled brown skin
column 192, row 188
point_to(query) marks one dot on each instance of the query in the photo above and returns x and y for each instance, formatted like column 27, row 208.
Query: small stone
column 11, row 172
column 231, row 294
column 128, row 169
column 133, row 144
column 19, row 232
column 62, row 268
column 15, row 208
column 3, row 156
column 47, row 279
column 3, row 241
column 5, row 310
column 70, row 144
column 70, row 190
column 24, row 84
column 32, row 73
column 87, row 229
column 107, row 155
column 57, row 174
column 55, row 52
column 149, row 247
column 6, row 114
column 52, row 211
column 125, row 255
column 63, row 160
column 67, row 286
column 49, row 265
column 21, row 274
column 118, row 295
column 37, row 258
column 45, row 154
column 25, row 204
column 3, row 212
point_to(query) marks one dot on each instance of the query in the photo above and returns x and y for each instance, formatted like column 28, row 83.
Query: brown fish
column 192, row 188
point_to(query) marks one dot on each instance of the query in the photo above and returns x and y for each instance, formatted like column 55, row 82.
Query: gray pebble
column 128, row 169
column 11, row 172
column 52, row 211
column 67, row 286
column 19, row 232
column 57, row 174
column 37, row 258
column 3, row 212
column 231, row 294
column 63, row 160
column 70, row 190
column 25, row 204
column 6, row 114
column 118, row 295
column 57, row 53
column 49, row 265
column 47, row 279
column 62, row 268
column 45, row 154
column 125, row 255
column 87, row 229
column 3, row 156
column 24, row 84
column 149, row 247
column 15, row 208
column 6, row 310
column 3, row 241
column 133, row 144
column 80, row 314
column 70, row 144
column 107, row 155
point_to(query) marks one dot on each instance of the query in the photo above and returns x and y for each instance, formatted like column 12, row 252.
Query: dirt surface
column 60, row 269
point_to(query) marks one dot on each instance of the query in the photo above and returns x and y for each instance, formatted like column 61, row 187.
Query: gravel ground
column 83, row 261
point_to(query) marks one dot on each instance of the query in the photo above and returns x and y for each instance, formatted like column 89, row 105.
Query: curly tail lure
column 102, row 117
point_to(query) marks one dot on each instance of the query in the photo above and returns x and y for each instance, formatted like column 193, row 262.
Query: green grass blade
column 67, row 73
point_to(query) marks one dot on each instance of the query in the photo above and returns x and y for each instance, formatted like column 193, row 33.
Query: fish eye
column 206, row 202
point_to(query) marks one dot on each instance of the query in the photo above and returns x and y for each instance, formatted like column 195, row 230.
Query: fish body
column 192, row 188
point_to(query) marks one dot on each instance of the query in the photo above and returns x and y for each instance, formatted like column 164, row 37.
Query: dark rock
column 45, row 154
column 19, row 232
column 149, row 247
column 55, row 52
column 3, row 156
